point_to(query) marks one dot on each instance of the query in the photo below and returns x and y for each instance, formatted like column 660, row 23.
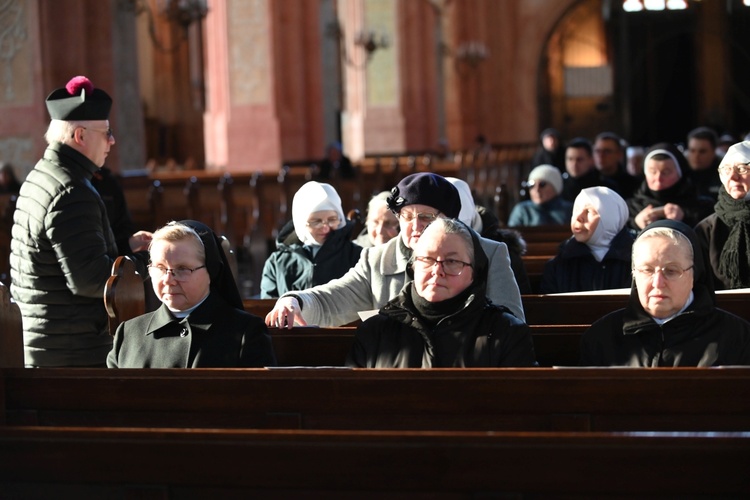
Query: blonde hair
column 676, row 237
column 176, row 231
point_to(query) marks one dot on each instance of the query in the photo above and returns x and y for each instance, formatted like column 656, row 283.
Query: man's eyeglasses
column 333, row 223
column 740, row 168
column 451, row 267
column 180, row 274
column 670, row 273
column 424, row 217
column 108, row 132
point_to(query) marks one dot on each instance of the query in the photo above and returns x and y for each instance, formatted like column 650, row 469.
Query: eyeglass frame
column 164, row 271
column 426, row 217
column 319, row 223
column 108, row 132
column 725, row 170
column 657, row 269
column 424, row 260
column 540, row 184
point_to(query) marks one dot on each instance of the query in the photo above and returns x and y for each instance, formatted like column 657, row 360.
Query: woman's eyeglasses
column 740, row 168
column 670, row 273
column 425, row 217
column 180, row 274
column 451, row 267
column 333, row 223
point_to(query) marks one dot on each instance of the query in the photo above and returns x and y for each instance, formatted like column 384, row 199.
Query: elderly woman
column 442, row 318
column 418, row 200
column 545, row 206
column 381, row 225
column 315, row 247
column 671, row 318
column 597, row 256
column 666, row 193
column 725, row 235
column 201, row 323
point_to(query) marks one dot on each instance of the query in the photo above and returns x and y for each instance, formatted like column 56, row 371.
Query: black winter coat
column 574, row 268
column 292, row 267
column 214, row 335
column 684, row 193
column 61, row 256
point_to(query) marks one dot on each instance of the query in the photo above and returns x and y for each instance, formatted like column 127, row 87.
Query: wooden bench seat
column 174, row 463
column 531, row 399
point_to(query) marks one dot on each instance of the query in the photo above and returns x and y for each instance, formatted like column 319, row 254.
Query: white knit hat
column 314, row 197
column 547, row 173
column 737, row 153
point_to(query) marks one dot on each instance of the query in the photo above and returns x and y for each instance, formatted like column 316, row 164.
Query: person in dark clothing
column 671, row 318
column 666, row 193
column 580, row 172
column 608, row 159
column 703, row 161
column 487, row 225
column 201, row 322
column 129, row 240
column 63, row 249
column 725, row 234
column 335, row 165
column 597, row 256
column 442, row 317
column 550, row 151
column 313, row 248
column 8, row 181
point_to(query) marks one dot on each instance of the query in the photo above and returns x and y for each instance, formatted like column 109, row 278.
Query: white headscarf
column 468, row 214
column 314, row 197
column 613, row 215
column 665, row 153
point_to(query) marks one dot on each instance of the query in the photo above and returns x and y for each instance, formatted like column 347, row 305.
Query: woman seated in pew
column 671, row 318
column 487, row 225
column 442, row 317
column 313, row 248
column 597, row 256
column 666, row 193
column 381, row 225
column 545, row 206
column 201, row 322
column 725, row 235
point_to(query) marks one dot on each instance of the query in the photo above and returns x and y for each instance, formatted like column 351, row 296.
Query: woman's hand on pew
column 284, row 314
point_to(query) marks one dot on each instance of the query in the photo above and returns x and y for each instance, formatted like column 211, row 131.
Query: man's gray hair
column 61, row 130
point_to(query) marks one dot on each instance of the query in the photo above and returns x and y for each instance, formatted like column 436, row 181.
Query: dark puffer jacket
column 292, row 267
column 702, row 335
column 61, row 256
column 480, row 334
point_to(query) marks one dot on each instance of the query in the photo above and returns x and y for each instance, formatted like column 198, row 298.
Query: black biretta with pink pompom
column 79, row 100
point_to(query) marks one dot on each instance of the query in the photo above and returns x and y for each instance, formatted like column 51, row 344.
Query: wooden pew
column 531, row 399
column 587, row 308
column 11, row 331
column 174, row 463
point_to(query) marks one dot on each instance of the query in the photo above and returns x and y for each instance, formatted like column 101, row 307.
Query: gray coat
column 380, row 275
column 61, row 256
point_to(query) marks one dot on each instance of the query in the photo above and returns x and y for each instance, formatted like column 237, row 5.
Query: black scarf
column 432, row 312
column 734, row 262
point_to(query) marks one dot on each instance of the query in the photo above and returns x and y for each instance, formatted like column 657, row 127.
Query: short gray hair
column 675, row 236
column 454, row 226
column 61, row 131
column 176, row 231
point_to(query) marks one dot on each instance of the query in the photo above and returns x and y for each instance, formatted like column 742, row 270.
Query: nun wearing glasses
column 312, row 249
column 442, row 317
column 201, row 322
column 725, row 235
column 671, row 318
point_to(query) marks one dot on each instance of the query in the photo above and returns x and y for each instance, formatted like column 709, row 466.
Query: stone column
column 241, row 124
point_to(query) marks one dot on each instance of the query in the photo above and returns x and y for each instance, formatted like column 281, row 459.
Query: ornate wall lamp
column 371, row 41
column 472, row 53
column 178, row 13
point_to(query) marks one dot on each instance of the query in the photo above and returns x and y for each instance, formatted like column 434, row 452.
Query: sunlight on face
column 179, row 295
column 583, row 223
column 661, row 174
column 432, row 283
column 660, row 297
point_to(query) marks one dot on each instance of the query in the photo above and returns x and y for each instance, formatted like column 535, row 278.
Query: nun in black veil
column 201, row 322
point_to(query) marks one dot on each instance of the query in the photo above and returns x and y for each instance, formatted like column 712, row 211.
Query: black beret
column 426, row 189
column 79, row 100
